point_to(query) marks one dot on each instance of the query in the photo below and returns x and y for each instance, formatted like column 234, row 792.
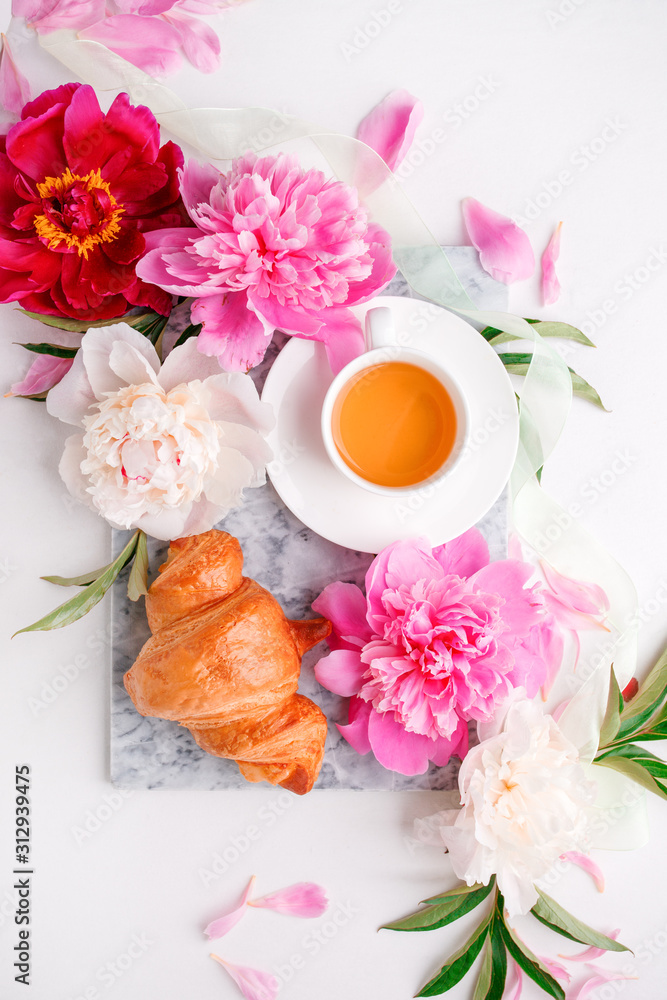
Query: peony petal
column 557, row 970
column 504, row 249
column 345, row 606
column 197, row 181
column 234, row 399
column 185, row 364
column 147, row 42
column 586, row 863
column 289, row 319
column 130, row 365
column 231, row 331
column 513, row 982
column 575, row 595
column 14, row 86
column 341, row 672
column 590, row 954
column 598, row 980
column 356, row 731
column 253, row 983
column 96, row 348
column 383, row 269
column 70, row 470
column 70, row 14
column 390, row 127
column 396, row 749
column 342, row 336
column 44, row 373
column 200, row 43
column 71, row 398
column 464, row 555
column 218, row 928
column 304, row 899
column 550, row 282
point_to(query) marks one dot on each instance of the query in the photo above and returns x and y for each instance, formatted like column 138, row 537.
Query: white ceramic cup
column 382, row 345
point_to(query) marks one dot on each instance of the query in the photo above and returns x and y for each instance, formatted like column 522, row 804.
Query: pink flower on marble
column 442, row 637
column 151, row 34
column 504, row 249
column 273, row 246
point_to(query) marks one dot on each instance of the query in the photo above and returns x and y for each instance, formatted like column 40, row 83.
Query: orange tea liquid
column 394, row 424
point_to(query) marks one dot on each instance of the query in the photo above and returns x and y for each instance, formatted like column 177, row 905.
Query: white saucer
column 325, row 500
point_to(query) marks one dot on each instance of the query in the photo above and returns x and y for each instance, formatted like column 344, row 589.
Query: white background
column 551, row 83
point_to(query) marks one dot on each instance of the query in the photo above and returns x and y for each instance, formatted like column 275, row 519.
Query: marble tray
column 295, row 564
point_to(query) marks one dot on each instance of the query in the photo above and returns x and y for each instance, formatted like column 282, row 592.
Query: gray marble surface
column 295, row 564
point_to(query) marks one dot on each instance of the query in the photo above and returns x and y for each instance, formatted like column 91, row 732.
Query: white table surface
column 551, row 83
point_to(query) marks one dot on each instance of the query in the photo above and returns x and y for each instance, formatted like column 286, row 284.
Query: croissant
column 224, row 661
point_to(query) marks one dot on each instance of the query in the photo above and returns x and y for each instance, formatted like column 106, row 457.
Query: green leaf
column 77, row 325
column 583, row 389
column 54, row 350
column 77, row 581
column 647, row 701
column 612, row 718
column 452, row 905
column 491, row 984
column 459, row 963
column 190, row 331
column 639, row 764
column 525, row 959
column 137, row 585
column 551, row 913
column 562, row 331
column 80, row 605
column 462, row 890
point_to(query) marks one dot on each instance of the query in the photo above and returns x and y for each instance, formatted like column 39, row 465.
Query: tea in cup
column 393, row 420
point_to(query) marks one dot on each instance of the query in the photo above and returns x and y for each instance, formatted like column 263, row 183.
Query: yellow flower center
column 77, row 211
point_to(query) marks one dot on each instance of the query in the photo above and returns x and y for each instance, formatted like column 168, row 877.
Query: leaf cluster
column 495, row 940
column 641, row 719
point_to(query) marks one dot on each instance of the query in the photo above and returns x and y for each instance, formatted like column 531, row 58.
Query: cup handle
column 379, row 327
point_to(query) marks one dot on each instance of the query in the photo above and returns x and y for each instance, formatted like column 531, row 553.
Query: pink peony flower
column 168, row 449
column 274, row 246
column 442, row 636
column 151, row 34
column 79, row 191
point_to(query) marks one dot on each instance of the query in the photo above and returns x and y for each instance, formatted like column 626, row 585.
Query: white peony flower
column 168, row 449
column 525, row 801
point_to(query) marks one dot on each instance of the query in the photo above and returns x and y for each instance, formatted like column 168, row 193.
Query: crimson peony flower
column 78, row 189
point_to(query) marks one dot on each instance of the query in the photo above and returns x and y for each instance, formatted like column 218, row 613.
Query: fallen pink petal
column 304, row 899
column 147, row 42
column 254, row 984
column 555, row 969
column 588, row 865
column 598, row 980
column 550, row 282
column 590, row 954
column 504, row 249
column 574, row 603
column 513, row 982
column 45, row 372
column 390, row 127
column 218, row 928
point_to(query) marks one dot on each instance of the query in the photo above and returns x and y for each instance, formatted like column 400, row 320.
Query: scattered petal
column 304, row 899
column 45, row 372
column 218, row 928
column 557, row 970
column 575, row 603
column 598, row 980
column 504, row 249
column 513, row 982
column 146, row 42
column 550, row 282
column 591, row 953
column 588, row 865
column 631, row 690
column 390, row 127
column 253, row 983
